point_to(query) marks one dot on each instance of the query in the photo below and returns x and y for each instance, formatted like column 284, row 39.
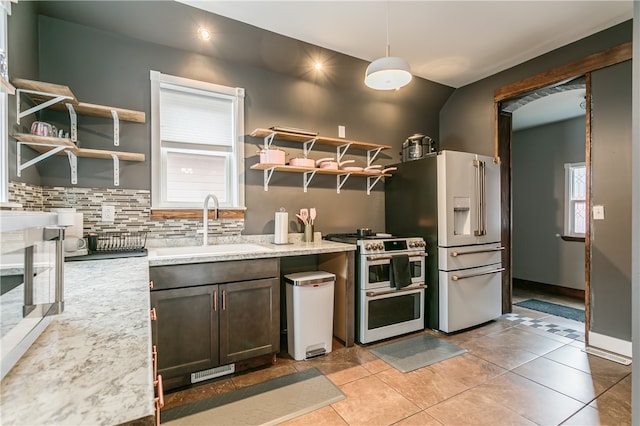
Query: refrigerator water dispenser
column 461, row 216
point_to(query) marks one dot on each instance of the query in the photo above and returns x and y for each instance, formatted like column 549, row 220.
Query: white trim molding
column 610, row 344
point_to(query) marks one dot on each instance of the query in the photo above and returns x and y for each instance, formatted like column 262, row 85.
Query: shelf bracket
column 307, row 179
column 340, row 181
column 21, row 167
column 116, row 128
column 73, row 165
column 370, row 185
column 341, row 151
column 116, row 170
column 267, row 177
column 372, row 154
column 73, row 119
column 308, row 146
column 54, row 100
column 268, row 140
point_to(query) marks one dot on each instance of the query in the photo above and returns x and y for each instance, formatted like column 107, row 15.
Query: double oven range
column 382, row 310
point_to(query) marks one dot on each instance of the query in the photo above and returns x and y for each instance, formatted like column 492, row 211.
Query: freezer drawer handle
column 460, row 253
column 462, row 277
column 389, row 257
column 382, row 293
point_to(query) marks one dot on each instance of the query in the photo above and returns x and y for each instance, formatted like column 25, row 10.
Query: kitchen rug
column 553, row 309
column 416, row 352
column 267, row 403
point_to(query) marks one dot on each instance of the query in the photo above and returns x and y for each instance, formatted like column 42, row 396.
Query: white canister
column 282, row 227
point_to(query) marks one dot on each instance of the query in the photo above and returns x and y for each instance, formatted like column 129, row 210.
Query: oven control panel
column 415, row 244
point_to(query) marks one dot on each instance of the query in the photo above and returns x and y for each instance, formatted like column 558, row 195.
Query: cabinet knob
column 151, row 284
column 153, row 315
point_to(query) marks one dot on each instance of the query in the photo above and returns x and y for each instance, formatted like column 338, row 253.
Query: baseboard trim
column 611, row 344
column 549, row 288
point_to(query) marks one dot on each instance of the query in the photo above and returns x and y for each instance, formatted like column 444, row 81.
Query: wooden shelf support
column 54, row 100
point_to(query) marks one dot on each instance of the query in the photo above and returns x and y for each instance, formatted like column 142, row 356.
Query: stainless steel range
column 384, row 308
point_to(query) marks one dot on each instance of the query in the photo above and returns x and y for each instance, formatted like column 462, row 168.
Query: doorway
column 548, row 199
column 503, row 150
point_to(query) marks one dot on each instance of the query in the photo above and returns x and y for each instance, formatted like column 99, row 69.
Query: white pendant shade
column 388, row 73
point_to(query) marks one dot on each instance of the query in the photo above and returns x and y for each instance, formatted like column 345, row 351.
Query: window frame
column 158, row 190
column 569, row 202
column 4, row 109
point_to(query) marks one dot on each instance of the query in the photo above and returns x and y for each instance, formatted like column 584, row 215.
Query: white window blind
column 197, row 134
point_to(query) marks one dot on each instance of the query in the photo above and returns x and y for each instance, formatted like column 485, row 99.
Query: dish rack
column 121, row 241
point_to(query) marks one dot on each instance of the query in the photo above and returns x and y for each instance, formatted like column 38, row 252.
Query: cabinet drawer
column 175, row 276
column 453, row 258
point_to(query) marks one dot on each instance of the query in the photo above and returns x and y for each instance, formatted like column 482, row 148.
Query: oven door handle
column 402, row 290
column 462, row 277
column 372, row 258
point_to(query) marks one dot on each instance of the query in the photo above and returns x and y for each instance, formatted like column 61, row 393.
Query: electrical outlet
column 108, row 213
column 341, row 132
column 598, row 212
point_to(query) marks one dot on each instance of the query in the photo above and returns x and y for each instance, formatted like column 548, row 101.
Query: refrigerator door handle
column 481, row 204
column 462, row 277
column 460, row 253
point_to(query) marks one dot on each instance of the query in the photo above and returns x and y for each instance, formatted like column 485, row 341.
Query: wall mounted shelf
column 6, row 87
column 308, row 141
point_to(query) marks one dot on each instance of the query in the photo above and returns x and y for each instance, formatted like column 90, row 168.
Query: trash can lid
column 308, row 278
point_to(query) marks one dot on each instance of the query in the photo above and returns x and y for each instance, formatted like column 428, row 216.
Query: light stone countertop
column 92, row 364
column 200, row 254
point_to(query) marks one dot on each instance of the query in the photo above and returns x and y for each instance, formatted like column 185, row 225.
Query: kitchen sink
column 215, row 249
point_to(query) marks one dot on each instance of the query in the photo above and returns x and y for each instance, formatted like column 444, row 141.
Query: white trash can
column 309, row 313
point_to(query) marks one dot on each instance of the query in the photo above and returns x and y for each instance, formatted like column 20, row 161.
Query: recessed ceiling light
column 318, row 66
column 204, row 34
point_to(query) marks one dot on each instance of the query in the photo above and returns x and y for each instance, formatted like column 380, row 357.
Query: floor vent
column 212, row 373
column 608, row 355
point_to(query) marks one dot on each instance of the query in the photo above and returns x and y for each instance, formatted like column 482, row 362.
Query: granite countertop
column 260, row 247
column 92, row 364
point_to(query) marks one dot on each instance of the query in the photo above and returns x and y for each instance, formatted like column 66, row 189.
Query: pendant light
column 390, row 72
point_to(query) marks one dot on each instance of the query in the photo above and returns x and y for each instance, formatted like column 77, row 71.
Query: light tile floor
column 513, row 374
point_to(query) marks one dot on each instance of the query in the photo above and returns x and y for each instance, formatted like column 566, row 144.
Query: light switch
column 598, row 212
column 341, row 132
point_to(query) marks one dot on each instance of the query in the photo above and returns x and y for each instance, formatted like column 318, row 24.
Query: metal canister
column 416, row 147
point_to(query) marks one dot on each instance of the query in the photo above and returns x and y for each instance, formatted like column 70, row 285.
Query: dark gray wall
column 467, row 118
column 611, row 187
column 109, row 64
column 538, row 158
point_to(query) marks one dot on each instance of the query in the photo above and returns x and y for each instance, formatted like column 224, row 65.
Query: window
column 197, row 138
column 575, row 207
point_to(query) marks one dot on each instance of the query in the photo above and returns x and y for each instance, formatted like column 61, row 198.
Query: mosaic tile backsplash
column 132, row 211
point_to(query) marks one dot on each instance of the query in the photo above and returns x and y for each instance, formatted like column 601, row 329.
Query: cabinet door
column 249, row 319
column 186, row 329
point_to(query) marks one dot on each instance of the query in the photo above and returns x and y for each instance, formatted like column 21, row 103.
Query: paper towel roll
column 282, row 228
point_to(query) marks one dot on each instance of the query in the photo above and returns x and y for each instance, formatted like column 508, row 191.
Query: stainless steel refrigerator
column 452, row 200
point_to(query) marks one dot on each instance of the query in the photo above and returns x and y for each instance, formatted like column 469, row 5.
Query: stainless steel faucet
column 205, row 217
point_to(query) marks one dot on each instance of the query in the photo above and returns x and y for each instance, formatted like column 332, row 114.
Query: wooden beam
column 593, row 62
column 196, row 214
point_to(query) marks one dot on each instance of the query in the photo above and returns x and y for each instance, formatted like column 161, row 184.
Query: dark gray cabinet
column 213, row 314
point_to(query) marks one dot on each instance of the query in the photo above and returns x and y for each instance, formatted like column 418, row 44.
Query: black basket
column 121, row 241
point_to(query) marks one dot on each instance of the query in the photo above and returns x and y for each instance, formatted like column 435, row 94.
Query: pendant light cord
column 388, row 44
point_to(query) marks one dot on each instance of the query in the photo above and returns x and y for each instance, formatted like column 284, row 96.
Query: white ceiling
column 450, row 42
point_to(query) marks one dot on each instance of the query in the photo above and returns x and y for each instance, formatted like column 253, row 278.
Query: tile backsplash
column 132, row 211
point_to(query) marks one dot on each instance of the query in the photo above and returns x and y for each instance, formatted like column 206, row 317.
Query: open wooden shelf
column 296, row 169
column 323, row 140
column 46, row 143
column 50, row 90
column 6, row 87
